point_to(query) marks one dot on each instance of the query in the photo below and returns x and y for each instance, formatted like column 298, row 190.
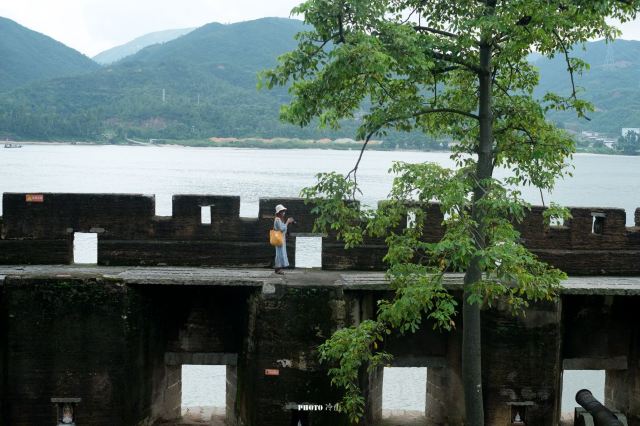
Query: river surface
column 598, row 181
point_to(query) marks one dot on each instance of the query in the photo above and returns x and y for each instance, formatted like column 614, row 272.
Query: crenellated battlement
column 39, row 228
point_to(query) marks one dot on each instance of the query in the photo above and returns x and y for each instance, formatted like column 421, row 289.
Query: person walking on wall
column 279, row 224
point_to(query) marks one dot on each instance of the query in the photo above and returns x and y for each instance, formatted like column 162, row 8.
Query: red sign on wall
column 271, row 372
column 34, row 198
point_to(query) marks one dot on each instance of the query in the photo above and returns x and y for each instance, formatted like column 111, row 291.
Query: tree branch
column 353, row 172
column 444, row 70
column 450, row 58
column 441, row 110
column 320, row 47
column 565, row 50
column 410, row 15
column 421, row 28
column 340, row 28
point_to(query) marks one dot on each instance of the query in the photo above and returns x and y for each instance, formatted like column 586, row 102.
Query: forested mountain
column 134, row 46
column 203, row 84
column 27, row 56
column 199, row 85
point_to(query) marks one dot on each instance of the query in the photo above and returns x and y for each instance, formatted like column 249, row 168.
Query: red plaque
column 34, row 198
column 271, row 372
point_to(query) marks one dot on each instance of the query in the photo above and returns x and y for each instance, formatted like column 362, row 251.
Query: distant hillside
column 203, row 84
column 134, row 46
column 209, row 81
column 234, row 53
column 27, row 56
column 612, row 84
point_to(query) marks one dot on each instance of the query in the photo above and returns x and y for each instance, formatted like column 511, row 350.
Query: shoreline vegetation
column 282, row 143
column 259, row 143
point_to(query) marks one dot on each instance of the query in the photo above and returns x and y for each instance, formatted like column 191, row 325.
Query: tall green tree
column 448, row 68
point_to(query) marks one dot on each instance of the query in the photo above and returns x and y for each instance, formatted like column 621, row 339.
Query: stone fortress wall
column 169, row 291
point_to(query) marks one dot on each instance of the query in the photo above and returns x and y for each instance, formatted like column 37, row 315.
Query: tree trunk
column 471, row 336
column 471, row 353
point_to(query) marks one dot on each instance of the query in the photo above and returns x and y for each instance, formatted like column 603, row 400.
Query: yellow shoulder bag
column 276, row 238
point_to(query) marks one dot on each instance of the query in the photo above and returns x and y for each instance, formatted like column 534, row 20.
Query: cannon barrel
column 602, row 416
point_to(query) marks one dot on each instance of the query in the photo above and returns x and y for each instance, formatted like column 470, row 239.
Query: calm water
column 598, row 181
column 603, row 181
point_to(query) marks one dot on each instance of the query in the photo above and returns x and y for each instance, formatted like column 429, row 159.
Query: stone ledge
column 613, row 363
column 297, row 278
column 200, row 358
column 419, row 361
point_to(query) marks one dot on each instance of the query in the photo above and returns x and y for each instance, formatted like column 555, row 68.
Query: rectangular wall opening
column 249, row 209
column 205, row 215
column 85, row 248
column 308, row 252
column 597, row 223
column 411, row 219
column 556, row 222
column 164, row 204
column 572, row 382
column 299, row 418
column 404, row 395
column 204, row 393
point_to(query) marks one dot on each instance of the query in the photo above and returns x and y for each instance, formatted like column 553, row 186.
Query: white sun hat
column 279, row 208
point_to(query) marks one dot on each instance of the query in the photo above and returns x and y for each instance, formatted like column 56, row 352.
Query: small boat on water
column 12, row 145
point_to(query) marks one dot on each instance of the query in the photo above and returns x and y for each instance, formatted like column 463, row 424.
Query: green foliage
column 629, row 144
column 350, row 346
column 417, row 267
column 452, row 69
column 556, row 215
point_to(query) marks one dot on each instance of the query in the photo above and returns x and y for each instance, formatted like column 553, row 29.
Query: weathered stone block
column 521, row 364
column 124, row 215
column 36, row 252
column 69, row 338
column 289, row 325
column 190, row 253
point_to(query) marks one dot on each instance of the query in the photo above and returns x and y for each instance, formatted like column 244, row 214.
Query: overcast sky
column 92, row 26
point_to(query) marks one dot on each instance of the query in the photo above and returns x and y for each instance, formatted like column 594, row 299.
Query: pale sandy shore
column 49, row 143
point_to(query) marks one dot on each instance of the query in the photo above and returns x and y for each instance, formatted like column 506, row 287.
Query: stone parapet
column 39, row 228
